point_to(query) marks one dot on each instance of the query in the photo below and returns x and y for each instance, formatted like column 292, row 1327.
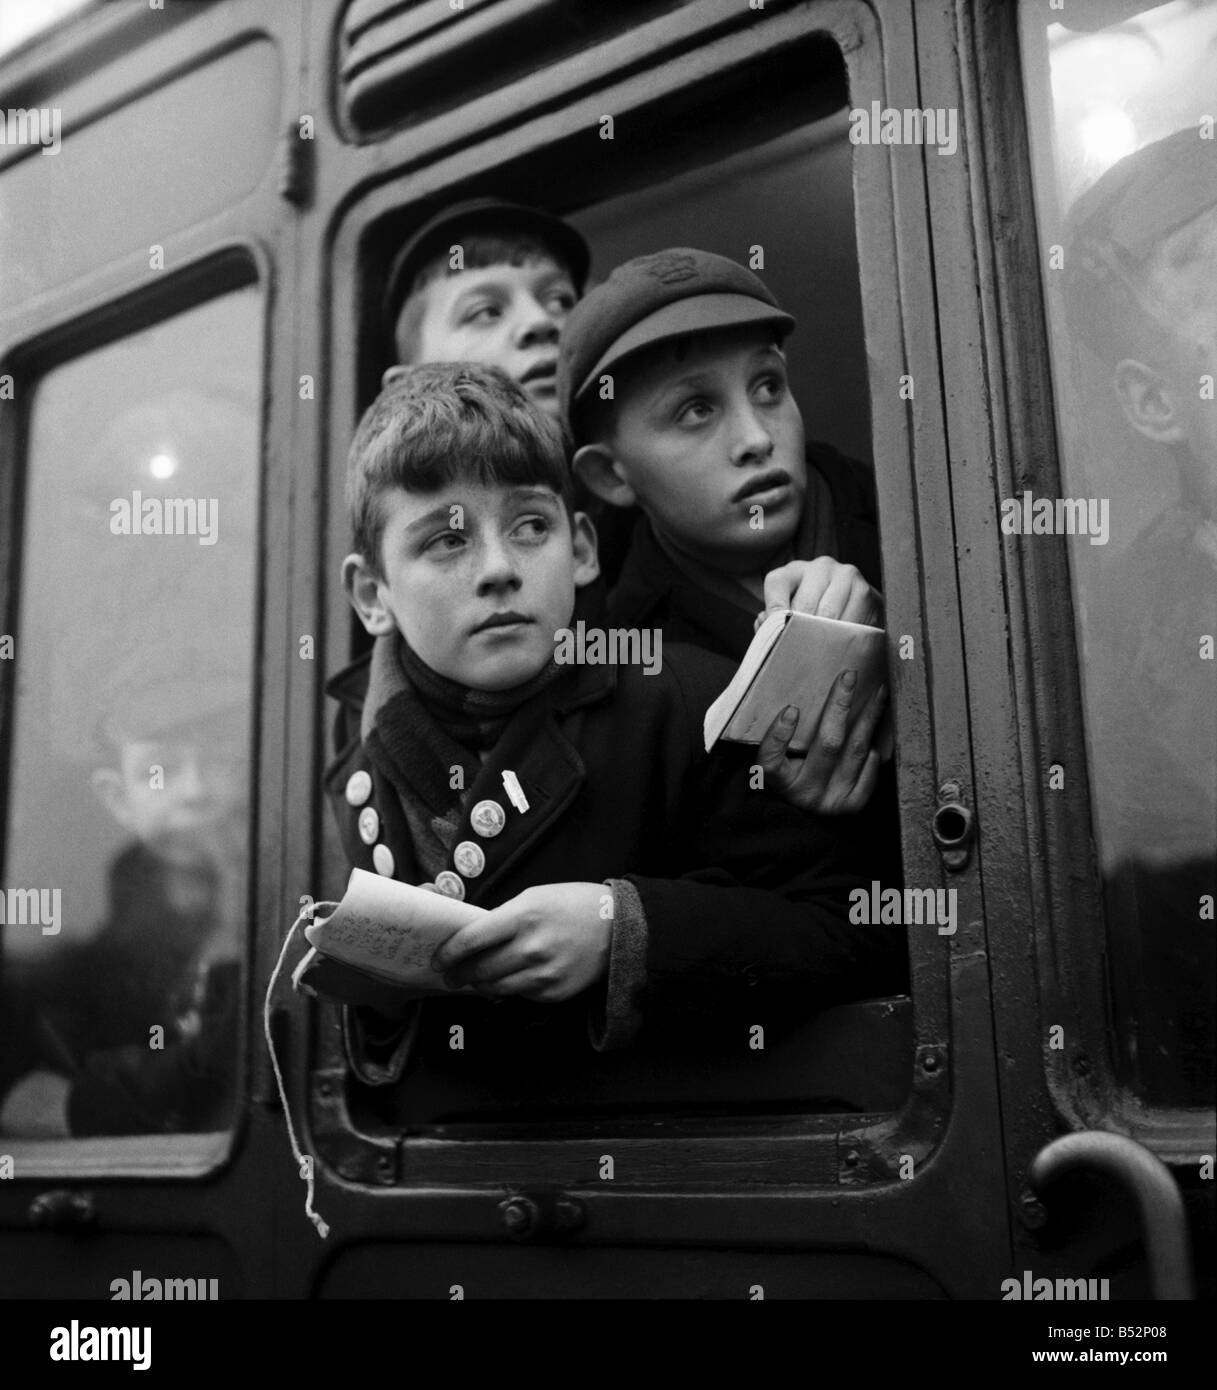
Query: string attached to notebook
column 304, row 1164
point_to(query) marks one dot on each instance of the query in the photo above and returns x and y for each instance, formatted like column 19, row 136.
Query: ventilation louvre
column 402, row 60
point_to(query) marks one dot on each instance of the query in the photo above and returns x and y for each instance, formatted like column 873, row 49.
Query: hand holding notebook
column 794, row 660
column 376, row 949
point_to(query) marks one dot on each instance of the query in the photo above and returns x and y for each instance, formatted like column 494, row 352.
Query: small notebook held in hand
column 379, row 943
column 793, row 660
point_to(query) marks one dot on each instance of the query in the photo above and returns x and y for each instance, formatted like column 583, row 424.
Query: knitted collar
column 418, row 727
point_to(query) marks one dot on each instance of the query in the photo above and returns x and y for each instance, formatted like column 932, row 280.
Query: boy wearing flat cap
column 487, row 281
column 674, row 381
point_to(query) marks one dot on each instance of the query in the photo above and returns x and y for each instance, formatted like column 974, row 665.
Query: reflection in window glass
column 1126, row 184
column 125, row 867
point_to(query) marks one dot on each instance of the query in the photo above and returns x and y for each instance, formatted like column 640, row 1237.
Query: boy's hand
column 839, row 771
column 548, row 943
column 824, row 587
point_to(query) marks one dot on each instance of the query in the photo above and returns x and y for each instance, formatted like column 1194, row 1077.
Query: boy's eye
column 481, row 313
column 771, row 388
column 694, row 412
column 445, row 541
column 532, row 528
column 560, row 301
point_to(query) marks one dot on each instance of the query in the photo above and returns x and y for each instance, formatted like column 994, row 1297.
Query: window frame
column 842, row 1153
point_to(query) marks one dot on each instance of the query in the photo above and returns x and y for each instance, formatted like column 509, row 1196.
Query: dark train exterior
column 205, row 255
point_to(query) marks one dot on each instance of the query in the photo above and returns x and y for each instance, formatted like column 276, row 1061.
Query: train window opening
column 1125, row 168
column 771, row 188
column 126, row 849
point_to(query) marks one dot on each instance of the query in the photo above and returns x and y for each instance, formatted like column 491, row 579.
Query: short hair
column 479, row 250
column 446, row 422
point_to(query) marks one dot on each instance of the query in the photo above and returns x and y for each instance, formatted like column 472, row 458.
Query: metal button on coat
column 369, row 825
column 488, row 818
column 468, row 858
column 450, row 884
column 382, row 857
column 359, row 787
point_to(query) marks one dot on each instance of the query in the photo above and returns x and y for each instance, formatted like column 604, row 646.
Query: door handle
column 1156, row 1193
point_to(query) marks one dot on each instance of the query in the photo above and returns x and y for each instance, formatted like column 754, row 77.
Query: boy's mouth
column 772, row 481
column 508, row 619
column 541, row 372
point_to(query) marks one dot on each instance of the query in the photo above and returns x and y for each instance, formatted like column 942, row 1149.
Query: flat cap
column 494, row 215
column 654, row 298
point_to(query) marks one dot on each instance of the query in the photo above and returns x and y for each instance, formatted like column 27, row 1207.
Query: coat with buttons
column 746, row 899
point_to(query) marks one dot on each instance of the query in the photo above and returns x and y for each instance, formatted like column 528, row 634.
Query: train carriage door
column 731, row 127
column 146, row 316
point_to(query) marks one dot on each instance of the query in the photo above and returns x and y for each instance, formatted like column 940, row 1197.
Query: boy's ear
column 1148, row 402
column 392, row 374
column 363, row 589
column 603, row 475
column 585, row 546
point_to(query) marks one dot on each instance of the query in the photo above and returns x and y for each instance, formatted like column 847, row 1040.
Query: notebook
column 379, row 941
column 793, row 660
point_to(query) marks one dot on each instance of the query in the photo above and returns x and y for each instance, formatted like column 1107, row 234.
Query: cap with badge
column 652, row 299
column 494, row 216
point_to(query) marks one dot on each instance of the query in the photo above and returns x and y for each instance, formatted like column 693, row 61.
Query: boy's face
column 710, row 442
column 186, row 809
column 477, row 578
column 1186, row 295
column 506, row 316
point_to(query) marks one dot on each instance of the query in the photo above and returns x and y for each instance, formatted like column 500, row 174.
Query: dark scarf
column 419, row 726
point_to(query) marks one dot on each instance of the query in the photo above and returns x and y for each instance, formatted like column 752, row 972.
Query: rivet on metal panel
column 520, row 1215
column 63, row 1210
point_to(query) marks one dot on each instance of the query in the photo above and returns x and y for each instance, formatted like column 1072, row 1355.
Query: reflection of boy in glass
column 165, row 958
column 1142, row 293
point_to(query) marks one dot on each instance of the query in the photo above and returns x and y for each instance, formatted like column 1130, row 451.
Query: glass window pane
column 23, row 20
column 1126, row 171
column 125, row 866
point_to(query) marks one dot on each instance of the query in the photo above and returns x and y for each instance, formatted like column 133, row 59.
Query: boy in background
column 487, row 281
column 78, row 1051
column 1141, row 293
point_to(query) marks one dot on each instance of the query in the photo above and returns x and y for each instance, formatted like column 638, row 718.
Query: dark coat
column 746, row 899
column 85, row 1012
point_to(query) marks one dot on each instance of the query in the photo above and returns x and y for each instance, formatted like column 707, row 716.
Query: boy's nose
column 536, row 325
column 753, row 441
column 499, row 568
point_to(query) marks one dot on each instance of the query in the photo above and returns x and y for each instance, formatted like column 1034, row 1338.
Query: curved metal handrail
column 1149, row 1180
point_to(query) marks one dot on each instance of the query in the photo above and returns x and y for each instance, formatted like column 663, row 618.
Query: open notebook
column 379, row 941
column 793, row 660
